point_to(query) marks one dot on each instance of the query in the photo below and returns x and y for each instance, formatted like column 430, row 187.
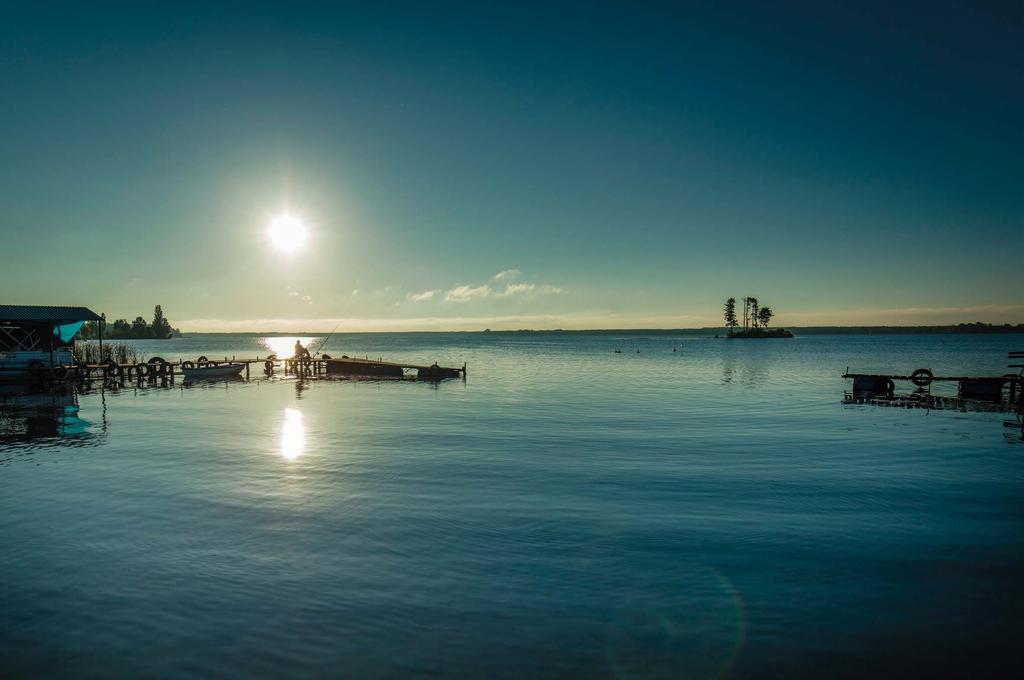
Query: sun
column 287, row 233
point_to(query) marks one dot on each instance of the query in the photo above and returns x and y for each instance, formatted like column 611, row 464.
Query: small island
column 755, row 320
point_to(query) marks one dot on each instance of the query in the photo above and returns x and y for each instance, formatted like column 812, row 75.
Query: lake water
column 566, row 511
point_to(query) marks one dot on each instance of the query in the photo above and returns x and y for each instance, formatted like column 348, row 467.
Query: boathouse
column 35, row 339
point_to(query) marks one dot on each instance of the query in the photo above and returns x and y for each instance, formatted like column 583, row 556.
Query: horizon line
column 637, row 329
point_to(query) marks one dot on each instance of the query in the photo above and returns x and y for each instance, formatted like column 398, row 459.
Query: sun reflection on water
column 284, row 346
column 293, row 434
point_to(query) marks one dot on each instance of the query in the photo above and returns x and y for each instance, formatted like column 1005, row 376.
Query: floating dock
column 968, row 387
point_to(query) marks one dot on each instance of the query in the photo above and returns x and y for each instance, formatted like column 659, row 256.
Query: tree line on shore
column 977, row 327
column 137, row 329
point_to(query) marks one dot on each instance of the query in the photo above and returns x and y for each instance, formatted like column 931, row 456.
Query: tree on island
column 730, row 314
column 749, row 312
column 756, row 320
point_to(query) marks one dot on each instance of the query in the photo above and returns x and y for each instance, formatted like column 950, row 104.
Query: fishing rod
column 324, row 341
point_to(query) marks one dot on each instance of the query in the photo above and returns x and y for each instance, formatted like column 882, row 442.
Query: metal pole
column 103, row 317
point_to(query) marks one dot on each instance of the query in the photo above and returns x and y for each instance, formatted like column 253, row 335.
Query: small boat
column 435, row 372
column 386, row 369
column 206, row 371
column 364, row 367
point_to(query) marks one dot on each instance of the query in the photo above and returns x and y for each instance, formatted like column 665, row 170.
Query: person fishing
column 300, row 351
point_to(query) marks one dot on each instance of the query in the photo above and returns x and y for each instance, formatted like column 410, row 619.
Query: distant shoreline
column 696, row 332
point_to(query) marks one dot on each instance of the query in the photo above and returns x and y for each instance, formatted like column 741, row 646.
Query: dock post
column 52, row 373
column 246, row 370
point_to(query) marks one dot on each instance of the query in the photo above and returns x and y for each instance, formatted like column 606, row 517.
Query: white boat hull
column 14, row 365
column 205, row 372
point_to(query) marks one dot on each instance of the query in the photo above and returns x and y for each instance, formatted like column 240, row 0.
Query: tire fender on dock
column 922, row 377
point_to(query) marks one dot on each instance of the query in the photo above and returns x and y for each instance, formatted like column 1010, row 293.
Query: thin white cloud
column 467, row 293
column 295, row 293
column 514, row 289
column 507, row 275
column 524, row 289
column 424, row 296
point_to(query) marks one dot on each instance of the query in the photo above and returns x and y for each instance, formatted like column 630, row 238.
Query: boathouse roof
column 40, row 314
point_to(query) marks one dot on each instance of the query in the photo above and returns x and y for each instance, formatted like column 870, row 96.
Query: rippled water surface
column 566, row 511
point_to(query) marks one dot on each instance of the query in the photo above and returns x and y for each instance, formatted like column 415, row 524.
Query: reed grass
column 88, row 352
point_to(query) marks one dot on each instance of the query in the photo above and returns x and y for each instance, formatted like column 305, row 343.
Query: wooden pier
column 37, row 344
column 157, row 369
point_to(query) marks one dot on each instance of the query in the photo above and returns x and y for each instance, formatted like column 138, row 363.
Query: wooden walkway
column 162, row 370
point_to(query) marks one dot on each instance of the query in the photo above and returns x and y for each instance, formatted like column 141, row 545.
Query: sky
column 514, row 165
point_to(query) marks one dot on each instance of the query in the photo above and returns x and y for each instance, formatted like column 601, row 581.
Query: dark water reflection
column 38, row 418
column 568, row 511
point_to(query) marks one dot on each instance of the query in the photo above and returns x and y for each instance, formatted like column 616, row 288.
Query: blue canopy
column 67, row 331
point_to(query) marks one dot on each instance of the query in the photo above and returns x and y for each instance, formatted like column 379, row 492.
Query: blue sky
column 523, row 165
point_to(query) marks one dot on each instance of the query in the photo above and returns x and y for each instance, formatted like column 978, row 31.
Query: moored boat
column 206, row 371
column 435, row 372
column 365, row 367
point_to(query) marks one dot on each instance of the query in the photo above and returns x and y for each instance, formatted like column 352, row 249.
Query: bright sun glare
column 287, row 233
